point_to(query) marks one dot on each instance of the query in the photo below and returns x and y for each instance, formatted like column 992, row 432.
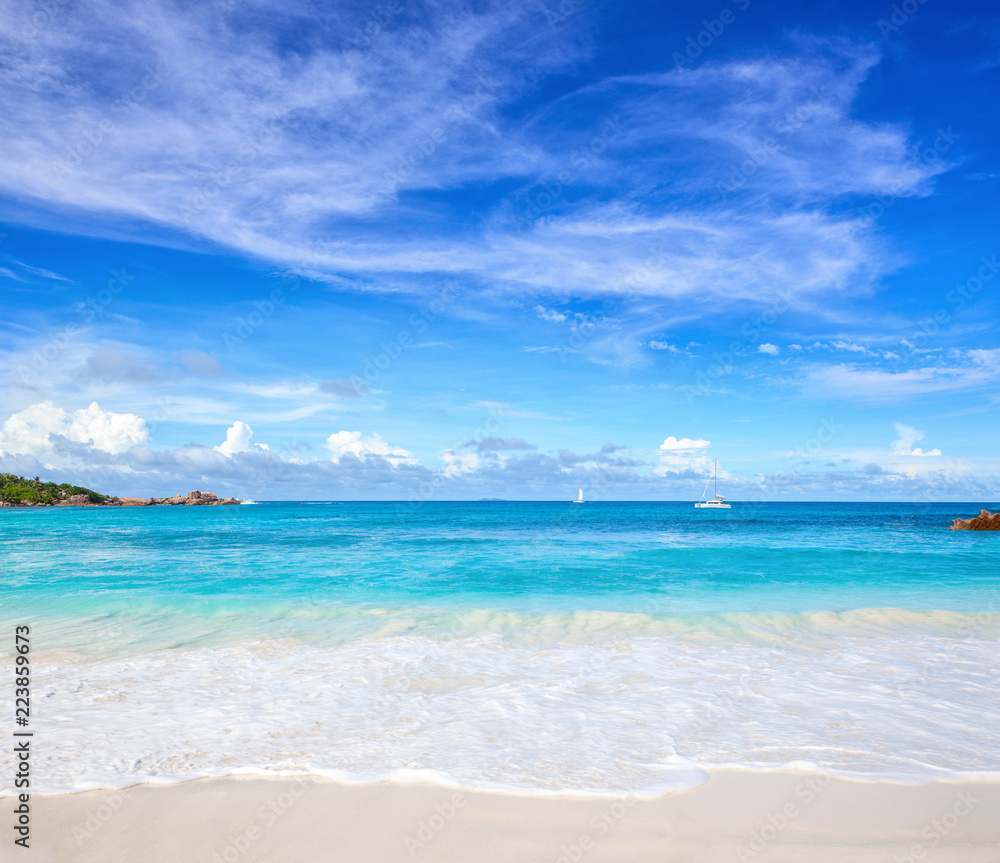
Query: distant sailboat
column 579, row 497
column 718, row 502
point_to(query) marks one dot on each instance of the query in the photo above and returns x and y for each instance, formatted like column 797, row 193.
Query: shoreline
column 194, row 498
column 787, row 817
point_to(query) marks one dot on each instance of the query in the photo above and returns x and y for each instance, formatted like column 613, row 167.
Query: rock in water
column 983, row 521
column 76, row 500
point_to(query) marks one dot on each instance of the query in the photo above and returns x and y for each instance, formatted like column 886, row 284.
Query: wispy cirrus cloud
column 964, row 371
column 20, row 271
column 195, row 124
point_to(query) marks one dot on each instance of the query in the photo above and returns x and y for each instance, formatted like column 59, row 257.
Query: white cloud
column 32, row 270
column 504, row 410
column 975, row 369
column 684, row 444
column 550, row 315
column 683, row 455
column 664, row 346
column 207, row 119
column 888, row 466
column 369, row 468
column 989, row 359
column 238, row 440
column 29, row 431
column 767, row 348
column 234, row 139
column 458, row 463
column 908, row 436
column 366, row 448
column 850, row 346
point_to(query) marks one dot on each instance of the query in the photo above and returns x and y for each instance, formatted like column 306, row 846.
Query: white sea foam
column 138, row 625
column 644, row 714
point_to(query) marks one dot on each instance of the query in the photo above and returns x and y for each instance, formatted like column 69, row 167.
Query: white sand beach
column 785, row 817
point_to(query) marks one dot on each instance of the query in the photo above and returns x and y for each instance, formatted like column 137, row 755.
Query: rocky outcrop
column 983, row 521
column 31, row 491
column 75, row 500
column 194, row 498
column 198, row 498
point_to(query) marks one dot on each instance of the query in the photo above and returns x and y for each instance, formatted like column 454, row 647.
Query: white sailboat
column 579, row 496
column 718, row 502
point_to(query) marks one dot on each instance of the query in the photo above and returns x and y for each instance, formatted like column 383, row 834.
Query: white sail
column 579, row 496
column 718, row 501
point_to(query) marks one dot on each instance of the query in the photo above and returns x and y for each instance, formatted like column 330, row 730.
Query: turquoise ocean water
column 537, row 647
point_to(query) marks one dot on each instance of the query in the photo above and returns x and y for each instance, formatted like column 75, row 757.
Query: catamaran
column 718, row 502
column 579, row 497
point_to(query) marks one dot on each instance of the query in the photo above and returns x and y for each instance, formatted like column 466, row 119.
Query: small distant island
column 983, row 521
column 21, row 491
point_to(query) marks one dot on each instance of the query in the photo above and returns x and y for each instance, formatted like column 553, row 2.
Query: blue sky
column 416, row 250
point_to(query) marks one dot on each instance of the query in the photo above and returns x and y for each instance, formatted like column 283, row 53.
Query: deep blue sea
column 537, row 647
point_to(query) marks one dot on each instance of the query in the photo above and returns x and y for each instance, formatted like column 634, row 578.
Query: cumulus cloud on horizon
column 372, row 447
column 685, row 456
column 110, row 452
column 238, row 440
column 908, row 436
column 30, row 431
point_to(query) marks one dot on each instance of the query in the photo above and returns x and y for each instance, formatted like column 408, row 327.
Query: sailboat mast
column 716, row 477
